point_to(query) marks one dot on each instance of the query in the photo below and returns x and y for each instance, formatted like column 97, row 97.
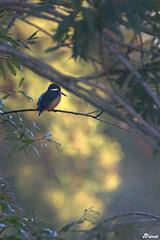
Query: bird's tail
column 39, row 111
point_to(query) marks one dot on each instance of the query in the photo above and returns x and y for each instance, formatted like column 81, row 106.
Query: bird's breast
column 54, row 104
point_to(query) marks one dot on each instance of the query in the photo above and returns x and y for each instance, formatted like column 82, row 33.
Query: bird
column 50, row 98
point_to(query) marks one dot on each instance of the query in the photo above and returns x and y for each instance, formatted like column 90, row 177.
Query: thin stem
column 10, row 24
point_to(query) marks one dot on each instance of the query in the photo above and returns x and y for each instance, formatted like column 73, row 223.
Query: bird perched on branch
column 50, row 99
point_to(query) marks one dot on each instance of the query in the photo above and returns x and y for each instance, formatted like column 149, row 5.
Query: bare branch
column 105, row 228
column 151, row 93
column 70, row 83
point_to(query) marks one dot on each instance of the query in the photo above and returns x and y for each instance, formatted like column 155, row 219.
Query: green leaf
column 21, row 125
column 35, row 149
column 4, row 91
column 80, row 221
column 7, row 94
column 20, row 135
column 5, row 97
column 49, row 140
column 9, row 117
column 41, row 144
column 14, row 148
column 10, row 138
column 32, row 135
column 47, row 135
column 34, row 125
column 17, row 64
column 21, row 82
column 9, row 39
column 26, row 46
column 19, row 116
column 2, row 70
column 11, row 68
column 57, row 142
column 31, row 42
column 34, row 216
column 6, row 207
column 28, row 141
column 14, row 221
column 23, row 148
column 26, row 95
column 33, row 35
column 64, row 26
column 11, row 237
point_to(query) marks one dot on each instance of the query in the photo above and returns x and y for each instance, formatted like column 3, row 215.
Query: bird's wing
column 39, row 99
column 46, row 99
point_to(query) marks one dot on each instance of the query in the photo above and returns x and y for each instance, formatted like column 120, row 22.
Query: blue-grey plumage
column 50, row 99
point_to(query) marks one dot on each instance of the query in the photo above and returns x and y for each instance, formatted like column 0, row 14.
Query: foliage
column 14, row 224
column 121, row 40
column 21, row 131
column 22, row 136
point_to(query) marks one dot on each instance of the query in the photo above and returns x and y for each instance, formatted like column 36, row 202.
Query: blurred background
column 97, row 165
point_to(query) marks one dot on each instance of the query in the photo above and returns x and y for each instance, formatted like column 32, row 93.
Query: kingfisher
column 50, row 99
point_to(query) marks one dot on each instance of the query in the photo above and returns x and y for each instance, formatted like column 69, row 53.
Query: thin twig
column 151, row 93
column 20, row 110
column 69, row 112
column 99, row 114
column 131, row 214
column 10, row 24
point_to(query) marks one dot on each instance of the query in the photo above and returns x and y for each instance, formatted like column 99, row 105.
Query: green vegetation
column 105, row 54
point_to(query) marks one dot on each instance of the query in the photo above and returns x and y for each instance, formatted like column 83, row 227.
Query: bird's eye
column 54, row 89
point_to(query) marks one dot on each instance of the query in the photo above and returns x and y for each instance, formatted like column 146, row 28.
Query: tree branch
column 105, row 228
column 68, row 82
column 70, row 112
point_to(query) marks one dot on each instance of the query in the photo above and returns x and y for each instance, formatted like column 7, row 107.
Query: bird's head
column 55, row 88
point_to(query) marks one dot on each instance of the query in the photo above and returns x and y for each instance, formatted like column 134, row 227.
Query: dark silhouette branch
column 20, row 110
column 70, row 112
column 70, row 83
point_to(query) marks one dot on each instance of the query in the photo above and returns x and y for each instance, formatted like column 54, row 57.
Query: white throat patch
column 54, row 89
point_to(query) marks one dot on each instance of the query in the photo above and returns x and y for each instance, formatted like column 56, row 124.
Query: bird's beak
column 63, row 94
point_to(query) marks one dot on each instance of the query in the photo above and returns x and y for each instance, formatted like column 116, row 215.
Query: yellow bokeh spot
column 110, row 155
column 26, row 170
column 112, row 182
column 74, row 205
column 57, row 198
